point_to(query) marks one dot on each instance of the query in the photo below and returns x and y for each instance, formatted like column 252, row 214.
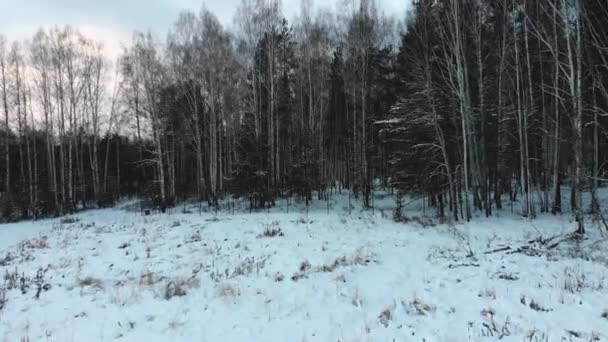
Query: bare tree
column 3, row 74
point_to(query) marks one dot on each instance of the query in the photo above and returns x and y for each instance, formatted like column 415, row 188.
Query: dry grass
column 488, row 312
column 3, row 299
column 69, row 220
column 36, row 243
column 121, row 295
column 150, row 279
column 248, row 266
column 180, row 287
column 507, row 276
column 359, row 258
column 279, row 277
column 227, row 291
column 385, row 317
column 487, row 293
column 174, row 289
column 305, row 266
column 91, row 282
column 8, row 258
column 271, row 230
column 357, row 300
column 573, row 281
column 339, row 262
column 175, row 324
column 421, row 308
column 302, row 271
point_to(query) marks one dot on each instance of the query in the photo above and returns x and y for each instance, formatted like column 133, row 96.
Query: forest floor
column 332, row 274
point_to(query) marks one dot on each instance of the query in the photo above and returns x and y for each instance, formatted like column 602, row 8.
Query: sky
column 113, row 21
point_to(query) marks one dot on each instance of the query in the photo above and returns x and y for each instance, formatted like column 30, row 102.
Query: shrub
column 272, row 230
column 385, row 317
column 175, row 289
column 70, row 220
column 227, row 291
column 91, row 282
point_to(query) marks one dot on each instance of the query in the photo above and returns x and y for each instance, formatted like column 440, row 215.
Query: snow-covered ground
column 331, row 274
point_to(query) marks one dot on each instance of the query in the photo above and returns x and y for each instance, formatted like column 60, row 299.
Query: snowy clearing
column 110, row 275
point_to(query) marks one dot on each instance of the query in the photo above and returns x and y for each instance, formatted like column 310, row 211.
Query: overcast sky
column 113, row 21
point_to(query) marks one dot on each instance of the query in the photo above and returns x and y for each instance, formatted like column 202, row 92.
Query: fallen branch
column 498, row 250
column 527, row 250
column 463, row 265
column 534, row 247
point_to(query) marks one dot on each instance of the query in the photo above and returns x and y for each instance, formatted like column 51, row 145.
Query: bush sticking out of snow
column 227, row 291
column 535, row 335
column 605, row 314
column 279, row 277
column 90, row 282
column 70, row 220
column 3, row 299
column 304, row 219
column 507, row 276
column 8, row 258
column 487, row 293
column 16, row 280
column 149, row 279
column 40, row 283
column 359, row 259
column 488, row 312
column 385, row 317
column 272, row 230
column 419, row 307
column 305, row 266
column 573, row 281
column 357, row 300
column 534, row 305
column 573, row 333
column 175, row 324
column 340, row 279
column 36, row 243
column 489, row 328
column 11, row 279
column 175, row 289
column 302, row 271
column 180, row 287
column 424, row 221
column 247, row 266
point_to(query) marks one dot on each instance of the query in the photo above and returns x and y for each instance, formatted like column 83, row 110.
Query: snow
column 358, row 277
column 13, row 233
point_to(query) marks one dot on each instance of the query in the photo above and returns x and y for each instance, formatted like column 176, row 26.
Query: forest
column 473, row 105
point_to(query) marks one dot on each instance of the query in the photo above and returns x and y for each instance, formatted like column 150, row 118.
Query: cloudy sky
column 113, row 21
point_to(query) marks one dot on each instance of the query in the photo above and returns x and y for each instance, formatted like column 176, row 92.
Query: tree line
column 503, row 97
column 469, row 102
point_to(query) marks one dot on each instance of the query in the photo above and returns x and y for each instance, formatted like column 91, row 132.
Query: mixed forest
column 472, row 105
